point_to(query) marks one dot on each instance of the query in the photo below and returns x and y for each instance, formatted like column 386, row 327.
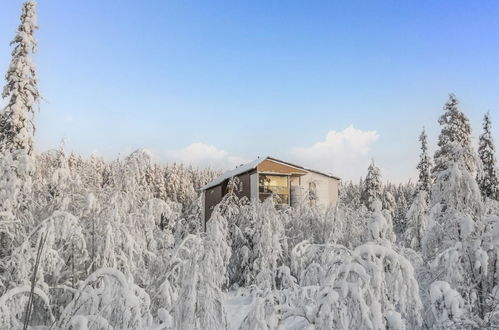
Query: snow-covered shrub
column 13, row 306
column 268, row 243
column 447, row 305
column 416, row 221
column 380, row 224
column 345, row 289
column 200, row 303
column 106, row 299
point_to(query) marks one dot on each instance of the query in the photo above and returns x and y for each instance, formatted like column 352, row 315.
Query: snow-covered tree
column 16, row 133
column 424, row 166
column 371, row 287
column 455, row 199
column 416, row 221
column 372, row 186
column 106, row 300
column 268, row 243
column 488, row 179
column 452, row 244
column 380, row 224
column 200, row 303
column 21, row 91
column 454, row 141
column 389, row 203
column 400, row 211
column 447, row 307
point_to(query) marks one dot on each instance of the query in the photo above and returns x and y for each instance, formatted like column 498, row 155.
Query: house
column 263, row 177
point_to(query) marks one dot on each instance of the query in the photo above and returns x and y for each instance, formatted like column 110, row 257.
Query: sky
column 327, row 84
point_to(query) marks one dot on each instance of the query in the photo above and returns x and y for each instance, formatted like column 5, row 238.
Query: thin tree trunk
column 29, row 306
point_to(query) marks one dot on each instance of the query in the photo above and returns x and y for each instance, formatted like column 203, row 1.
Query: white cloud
column 344, row 153
column 204, row 155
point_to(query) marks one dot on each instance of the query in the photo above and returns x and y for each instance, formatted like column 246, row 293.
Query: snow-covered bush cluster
column 96, row 244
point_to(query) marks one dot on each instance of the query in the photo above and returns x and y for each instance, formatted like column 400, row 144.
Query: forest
column 88, row 243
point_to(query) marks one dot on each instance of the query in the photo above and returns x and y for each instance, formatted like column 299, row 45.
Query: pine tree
column 372, row 186
column 16, row 132
column 452, row 244
column 456, row 133
column 424, row 166
column 16, row 125
column 488, row 179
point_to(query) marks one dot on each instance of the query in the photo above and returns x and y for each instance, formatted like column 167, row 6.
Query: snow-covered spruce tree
column 424, row 166
column 16, row 132
column 452, row 245
column 372, row 186
column 400, row 211
column 455, row 199
column 16, row 125
column 488, row 179
column 416, row 218
column 389, row 203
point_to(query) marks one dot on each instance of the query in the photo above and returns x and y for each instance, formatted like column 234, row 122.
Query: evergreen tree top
column 454, row 141
column 456, row 126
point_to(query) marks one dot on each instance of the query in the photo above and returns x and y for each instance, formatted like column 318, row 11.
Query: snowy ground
column 237, row 308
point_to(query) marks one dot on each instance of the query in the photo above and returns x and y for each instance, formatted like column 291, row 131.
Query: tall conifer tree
column 372, row 186
column 424, row 166
column 21, row 90
column 487, row 178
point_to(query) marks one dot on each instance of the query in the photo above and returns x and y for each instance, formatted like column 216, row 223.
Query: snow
column 447, row 304
column 237, row 308
column 238, row 170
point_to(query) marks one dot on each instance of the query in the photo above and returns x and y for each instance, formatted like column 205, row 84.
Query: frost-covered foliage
column 370, row 287
column 21, row 91
column 488, row 179
column 200, row 302
column 417, row 221
column 268, row 242
column 447, row 305
column 372, row 186
column 16, row 132
column 454, row 244
column 380, row 224
column 424, row 166
column 106, row 300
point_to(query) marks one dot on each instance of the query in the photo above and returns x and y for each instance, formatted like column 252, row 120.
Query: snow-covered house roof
column 253, row 165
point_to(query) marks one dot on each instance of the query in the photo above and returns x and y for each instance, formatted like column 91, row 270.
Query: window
column 277, row 185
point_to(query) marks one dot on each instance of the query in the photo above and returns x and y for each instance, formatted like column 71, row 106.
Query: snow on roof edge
column 229, row 174
column 252, row 165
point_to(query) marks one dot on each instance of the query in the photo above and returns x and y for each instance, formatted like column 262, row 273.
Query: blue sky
column 221, row 82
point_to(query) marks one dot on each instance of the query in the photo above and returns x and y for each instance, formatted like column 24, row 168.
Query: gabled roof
column 253, row 165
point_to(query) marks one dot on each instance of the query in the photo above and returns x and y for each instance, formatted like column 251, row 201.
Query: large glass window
column 274, row 184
